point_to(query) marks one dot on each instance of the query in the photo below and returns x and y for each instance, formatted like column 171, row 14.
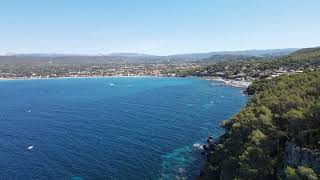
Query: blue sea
column 110, row 128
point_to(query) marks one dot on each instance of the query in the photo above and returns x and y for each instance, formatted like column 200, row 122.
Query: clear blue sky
column 156, row 26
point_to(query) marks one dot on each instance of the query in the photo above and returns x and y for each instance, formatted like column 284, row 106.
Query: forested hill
column 276, row 136
column 300, row 59
column 307, row 53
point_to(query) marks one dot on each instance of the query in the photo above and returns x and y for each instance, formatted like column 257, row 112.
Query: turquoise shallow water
column 110, row 128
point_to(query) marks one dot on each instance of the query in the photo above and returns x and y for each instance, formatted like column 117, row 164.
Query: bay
column 110, row 128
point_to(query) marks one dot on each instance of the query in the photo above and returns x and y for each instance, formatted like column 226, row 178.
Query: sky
column 158, row 27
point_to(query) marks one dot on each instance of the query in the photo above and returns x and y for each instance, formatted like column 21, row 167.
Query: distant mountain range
column 257, row 53
column 209, row 57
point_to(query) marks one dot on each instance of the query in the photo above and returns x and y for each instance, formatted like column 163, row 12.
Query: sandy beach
column 230, row 82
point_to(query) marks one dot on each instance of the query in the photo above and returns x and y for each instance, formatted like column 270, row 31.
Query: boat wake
column 125, row 85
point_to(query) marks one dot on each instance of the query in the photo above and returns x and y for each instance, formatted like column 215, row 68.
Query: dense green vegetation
column 282, row 109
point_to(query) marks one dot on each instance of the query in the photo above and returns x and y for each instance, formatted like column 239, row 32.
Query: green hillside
column 305, row 54
column 284, row 109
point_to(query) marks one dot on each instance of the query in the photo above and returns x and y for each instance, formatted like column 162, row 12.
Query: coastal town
column 240, row 74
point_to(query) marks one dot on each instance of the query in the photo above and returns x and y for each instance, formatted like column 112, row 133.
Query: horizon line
column 146, row 54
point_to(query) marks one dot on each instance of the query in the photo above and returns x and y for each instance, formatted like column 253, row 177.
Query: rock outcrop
column 296, row 156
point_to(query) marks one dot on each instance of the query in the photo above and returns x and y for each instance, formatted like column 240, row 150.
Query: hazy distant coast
column 68, row 77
